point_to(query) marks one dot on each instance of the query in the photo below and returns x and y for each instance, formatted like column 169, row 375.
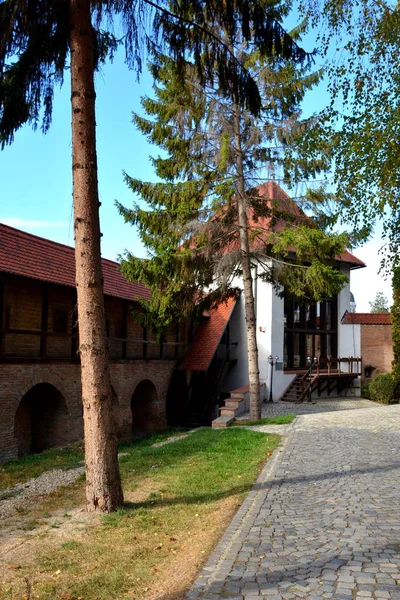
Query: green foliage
column 379, row 304
column 365, row 392
column 34, row 47
column 189, row 220
column 360, row 128
column 395, row 319
column 383, row 389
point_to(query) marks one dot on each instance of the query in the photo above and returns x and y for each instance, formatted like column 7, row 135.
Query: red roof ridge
column 382, row 318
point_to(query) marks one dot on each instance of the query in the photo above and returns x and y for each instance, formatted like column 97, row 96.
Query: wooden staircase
column 321, row 379
column 298, row 389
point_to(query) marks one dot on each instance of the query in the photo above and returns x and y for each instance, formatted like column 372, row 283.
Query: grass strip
column 179, row 499
column 33, row 465
column 279, row 420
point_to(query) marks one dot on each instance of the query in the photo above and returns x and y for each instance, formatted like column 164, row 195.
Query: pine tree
column 379, row 304
column 206, row 221
column 36, row 39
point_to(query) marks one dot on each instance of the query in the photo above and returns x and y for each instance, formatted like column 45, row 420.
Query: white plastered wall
column 270, row 329
column 270, row 334
column 349, row 336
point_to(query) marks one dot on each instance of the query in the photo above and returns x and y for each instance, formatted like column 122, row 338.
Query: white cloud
column 23, row 223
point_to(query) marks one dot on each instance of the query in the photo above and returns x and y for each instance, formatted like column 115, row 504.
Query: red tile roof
column 366, row 318
column 273, row 192
column 207, row 337
column 31, row 256
column 274, row 195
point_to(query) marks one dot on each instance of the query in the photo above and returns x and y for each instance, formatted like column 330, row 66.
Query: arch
column 38, row 376
column 40, row 419
column 145, row 407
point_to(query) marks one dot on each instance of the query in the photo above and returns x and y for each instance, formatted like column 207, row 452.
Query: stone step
column 237, row 395
column 232, row 403
column 227, row 412
column 221, row 422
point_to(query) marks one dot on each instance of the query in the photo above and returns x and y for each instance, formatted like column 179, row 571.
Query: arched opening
column 40, row 420
column 144, row 406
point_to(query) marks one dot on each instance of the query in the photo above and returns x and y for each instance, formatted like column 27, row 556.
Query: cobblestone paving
column 323, row 520
column 321, row 405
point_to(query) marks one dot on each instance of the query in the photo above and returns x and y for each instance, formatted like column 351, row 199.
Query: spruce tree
column 204, row 224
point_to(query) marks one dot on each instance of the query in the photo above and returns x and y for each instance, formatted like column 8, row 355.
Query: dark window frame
column 296, row 325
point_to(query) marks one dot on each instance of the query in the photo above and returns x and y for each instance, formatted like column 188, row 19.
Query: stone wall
column 66, row 423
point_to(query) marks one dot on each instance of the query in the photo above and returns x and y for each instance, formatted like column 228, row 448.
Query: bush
column 383, row 389
column 365, row 393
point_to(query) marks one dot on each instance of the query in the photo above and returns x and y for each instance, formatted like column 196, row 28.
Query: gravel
column 20, row 495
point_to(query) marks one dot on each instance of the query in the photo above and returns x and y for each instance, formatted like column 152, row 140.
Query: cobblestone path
column 323, row 520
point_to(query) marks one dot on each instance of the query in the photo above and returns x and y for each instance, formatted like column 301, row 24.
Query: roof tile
column 31, row 256
column 366, row 318
column 208, row 336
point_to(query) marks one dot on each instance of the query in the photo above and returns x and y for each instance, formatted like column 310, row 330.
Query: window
column 310, row 331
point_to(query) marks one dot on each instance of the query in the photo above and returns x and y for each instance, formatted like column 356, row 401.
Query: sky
column 35, row 173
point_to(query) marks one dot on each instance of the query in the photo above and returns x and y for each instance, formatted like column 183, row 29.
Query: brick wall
column 376, row 348
column 65, row 421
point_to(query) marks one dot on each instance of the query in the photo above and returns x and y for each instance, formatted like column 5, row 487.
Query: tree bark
column 103, row 483
column 250, row 316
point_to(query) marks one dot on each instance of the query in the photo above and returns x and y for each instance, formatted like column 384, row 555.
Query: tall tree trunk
column 251, row 324
column 103, row 483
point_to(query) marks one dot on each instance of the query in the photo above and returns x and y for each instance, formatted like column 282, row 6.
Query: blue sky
column 35, row 172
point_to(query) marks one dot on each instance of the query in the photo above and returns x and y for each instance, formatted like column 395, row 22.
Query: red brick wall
column 16, row 380
column 376, row 348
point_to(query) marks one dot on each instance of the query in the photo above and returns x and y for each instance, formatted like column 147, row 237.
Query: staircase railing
column 224, row 363
column 308, row 380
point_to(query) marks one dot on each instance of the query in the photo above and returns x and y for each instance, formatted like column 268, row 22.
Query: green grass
column 280, row 420
column 179, row 498
column 33, row 465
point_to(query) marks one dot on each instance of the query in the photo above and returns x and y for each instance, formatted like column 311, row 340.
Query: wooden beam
column 124, row 327
column 74, row 318
column 44, row 321
column 2, row 307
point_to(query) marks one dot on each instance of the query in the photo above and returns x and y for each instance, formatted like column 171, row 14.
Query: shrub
column 365, row 393
column 383, row 389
